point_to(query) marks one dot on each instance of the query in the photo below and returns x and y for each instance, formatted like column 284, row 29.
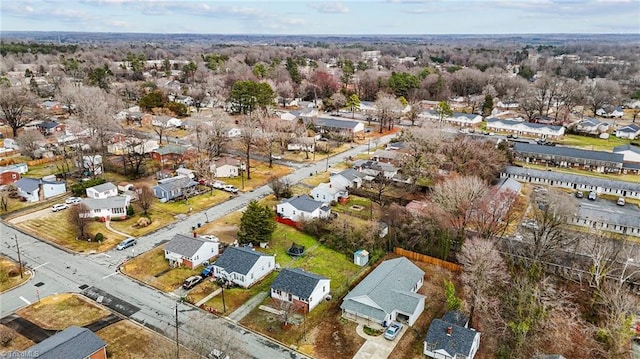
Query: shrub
column 130, row 210
column 79, row 188
column 143, row 222
column 99, row 237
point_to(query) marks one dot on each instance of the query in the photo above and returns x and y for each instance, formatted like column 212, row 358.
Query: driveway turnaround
column 376, row 347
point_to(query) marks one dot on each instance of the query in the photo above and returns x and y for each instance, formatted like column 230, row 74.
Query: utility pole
column 224, row 307
column 177, row 342
column 19, row 259
column 327, row 167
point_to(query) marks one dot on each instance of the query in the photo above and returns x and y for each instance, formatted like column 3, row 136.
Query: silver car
column 392, row 331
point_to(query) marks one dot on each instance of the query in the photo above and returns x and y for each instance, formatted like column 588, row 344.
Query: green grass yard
column 593, row 143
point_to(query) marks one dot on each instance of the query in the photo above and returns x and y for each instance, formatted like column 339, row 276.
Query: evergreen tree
column 257, row 224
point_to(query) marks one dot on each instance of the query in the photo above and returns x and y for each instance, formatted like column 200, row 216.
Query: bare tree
column 29, row 142
column 468, row 156
column 79, row 217
column 387, row 110
column 494, row 213
column 457, row 198
column 145, row 198
column 602, row 92
column 282, row 188
column 13, row 103
column 249, row 125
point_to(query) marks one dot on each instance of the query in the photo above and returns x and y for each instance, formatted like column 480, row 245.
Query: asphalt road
column 58, row 271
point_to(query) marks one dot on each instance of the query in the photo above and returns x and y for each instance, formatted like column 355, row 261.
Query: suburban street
column 96, row 275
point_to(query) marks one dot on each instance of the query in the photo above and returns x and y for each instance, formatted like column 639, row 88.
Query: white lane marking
column 41, row 265
column 107, row 276
column 24, row 300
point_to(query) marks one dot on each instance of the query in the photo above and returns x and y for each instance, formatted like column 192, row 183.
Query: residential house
column 386, row 156
column 234, row 132
column 397, row 146
column 630, row 153
column 372, row 169
column 12, row 173
column 592, row 125
column 243, row 266
column 288, row 116
column 132, row 145
column 464, row 119
column 165, row 121
column 388, row 293
column 326, row 193
column 450, row 338
column 190, row 251
column 185, row 172
column 53, row 106
column 349, row 178
column 343, row 127
column 302, row 207
column 51, row 127
column 71, row 343
column 555, row 156
column 174, row 187
column 508, row 105
column 106, row 208
column 226, row 167
column 91, row 165
column 304, row 289
column 610, row 112
column 429, row 115
column 631, row 131
column 573, row 181
column 34, row 189
column 525, row 128
column 606, row 219
column 104, row 190
column 306, row 144
column 170, row 153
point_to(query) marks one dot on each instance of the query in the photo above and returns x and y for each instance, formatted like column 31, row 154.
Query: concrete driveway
column 376, row 347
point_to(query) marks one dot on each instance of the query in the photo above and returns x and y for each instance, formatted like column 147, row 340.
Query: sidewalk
column 247, row 307
column 108, row 225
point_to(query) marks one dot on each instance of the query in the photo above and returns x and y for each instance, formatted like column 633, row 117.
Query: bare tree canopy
column 14, row 103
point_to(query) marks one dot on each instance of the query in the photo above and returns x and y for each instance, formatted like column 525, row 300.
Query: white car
column 73, row 200
column 230, row 188
column 59, row 207
column 218, row 185
column 276, row 157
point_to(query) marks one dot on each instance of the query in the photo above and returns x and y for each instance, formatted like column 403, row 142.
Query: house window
column 294, row 212
column 431, row 346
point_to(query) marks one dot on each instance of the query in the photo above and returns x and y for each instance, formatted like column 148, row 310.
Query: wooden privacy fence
column 43, row 161
column 427, row 259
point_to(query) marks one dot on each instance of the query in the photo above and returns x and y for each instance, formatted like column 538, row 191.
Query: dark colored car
column 207, row 271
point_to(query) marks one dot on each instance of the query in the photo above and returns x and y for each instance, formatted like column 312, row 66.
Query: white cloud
column 335, row 7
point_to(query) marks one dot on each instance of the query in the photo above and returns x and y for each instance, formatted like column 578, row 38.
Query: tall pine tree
column 257, row 224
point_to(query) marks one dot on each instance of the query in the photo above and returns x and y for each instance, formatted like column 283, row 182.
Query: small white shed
column 361, row 257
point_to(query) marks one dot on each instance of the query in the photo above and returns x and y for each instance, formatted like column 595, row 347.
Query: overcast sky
column 323, row 17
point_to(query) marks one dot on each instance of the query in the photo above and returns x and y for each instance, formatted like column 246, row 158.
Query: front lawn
column 60, row 311
column 261, row 174
column 593, row 143
column 235, row 297
column 56, row 228
column 152, row 268
column 10, row 274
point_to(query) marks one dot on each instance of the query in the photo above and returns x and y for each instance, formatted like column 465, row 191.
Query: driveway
column 37, row 214
column 376, row 347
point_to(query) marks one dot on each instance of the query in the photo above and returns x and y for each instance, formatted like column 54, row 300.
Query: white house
column 166, row 121
column 243, row 266
column 508, row 104
column 630, row 153
column 448, row 338
column 104, row 190
column 524, row 128
column 190, row 251
column 630, row 131
column 34, row 189
column 131, row 145
column 326, row 193
column 185, row 172
column 307, row 144
column 388, row 293
column 464, row 119
column 226, row 167
column 592, row 125
column 91, row 165
column 610, row 111
column 304, row 289
column 106, row 208
column 302, row 207
column 234, row 132
column 346, row 179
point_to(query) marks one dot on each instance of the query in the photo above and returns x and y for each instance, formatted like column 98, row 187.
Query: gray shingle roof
column 103, row 187
column 460, row 341
column 631, row 148
column 238, row 260
column 176, row 183
column 385, row 289
column 571, row 178
column 303, row 203
column 31, row 184
column 334, row 123
column 183, row 245
column 350, row 174
column 71, row 343
column 567, row 152
column 456, row 317
column 297, row 282
column 522, row 123
column 629, row 128
column 105, row 203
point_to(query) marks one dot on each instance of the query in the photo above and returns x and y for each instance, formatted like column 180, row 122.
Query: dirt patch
column 11, row 340
column 60, row 311
column 336, row 338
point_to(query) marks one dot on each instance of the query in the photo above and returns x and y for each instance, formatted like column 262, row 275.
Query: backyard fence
column 427, row 259
column 43, row 161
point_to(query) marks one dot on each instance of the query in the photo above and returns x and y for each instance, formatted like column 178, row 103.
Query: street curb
column 12, row 226
column 31, row 272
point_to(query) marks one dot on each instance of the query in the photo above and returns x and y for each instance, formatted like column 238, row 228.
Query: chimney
column 329, row 185
column 449, row 330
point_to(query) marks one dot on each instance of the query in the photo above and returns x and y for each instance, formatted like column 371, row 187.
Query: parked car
column 73, row 200
column 191, row 281
column 218, row 184
column 392, row 331
column 276, row 157
column 230, row 188
column 207, row 271
column 621, row 201
column 59, row 207
column 129, row 242
column 579, row 194
column 592, row 196
column 217, row 354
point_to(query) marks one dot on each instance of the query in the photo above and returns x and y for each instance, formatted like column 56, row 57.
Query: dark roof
column 297, row 282
column 629, row 128
column 568, row 152
column 29, row 185
column 334, row 123
column 456, row 317
column 631, row 148
column 176, row 183
column 71, row 343
column 49, row 124
column 350, row 174
column 572, row 178
column 238, row 260
column 303, row 203
column 460, row 340
column 184, row 245
column 295, row 250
